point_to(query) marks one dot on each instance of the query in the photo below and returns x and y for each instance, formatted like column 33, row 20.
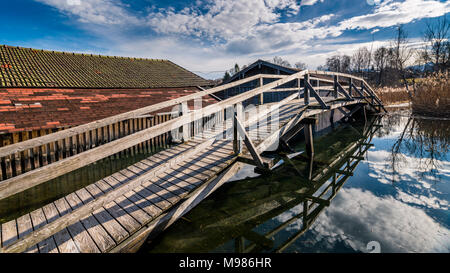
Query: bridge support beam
column 261, row 96
column 341, row 90
column 239, row 132
column 312, row 91
column 237, row 138
column 335, row 87
column 306, row 91
column 309, row 140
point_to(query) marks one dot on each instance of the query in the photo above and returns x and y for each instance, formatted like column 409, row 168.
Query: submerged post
column 309, row 140
column 308, row 131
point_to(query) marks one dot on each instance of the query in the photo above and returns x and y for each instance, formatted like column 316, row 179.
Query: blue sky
column 209, row 36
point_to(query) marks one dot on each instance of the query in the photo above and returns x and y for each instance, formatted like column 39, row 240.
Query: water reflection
column 351, row 203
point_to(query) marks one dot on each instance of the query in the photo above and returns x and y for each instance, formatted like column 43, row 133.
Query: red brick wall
column 26, row 109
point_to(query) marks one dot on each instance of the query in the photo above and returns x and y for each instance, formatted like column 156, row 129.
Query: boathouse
column 256, row 68
column 45, row 91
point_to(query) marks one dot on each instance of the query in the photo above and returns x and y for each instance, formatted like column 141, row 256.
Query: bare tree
column 338, row 63
column 437, row 46
column 401, row 53
column 280, row 61
column 380, row 58
column 300, row 65
column 361, row 59
column 333, row 63
column 345, row 64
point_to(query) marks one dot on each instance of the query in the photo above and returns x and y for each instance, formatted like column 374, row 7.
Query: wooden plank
column 38, row 219
column 63, row 240
column 165, row 220
column 114, row 229
column 148, row 207
column 83, row 241
column 102, row 200
column 137, row 214
column 24, row 227
column 101, row 238
column 130, row 207
column 9, row 233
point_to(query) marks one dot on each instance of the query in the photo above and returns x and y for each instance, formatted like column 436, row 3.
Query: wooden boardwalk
column 118, row 212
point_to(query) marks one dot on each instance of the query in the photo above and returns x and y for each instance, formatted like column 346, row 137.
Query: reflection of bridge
column 243, row 211
column 118, row 212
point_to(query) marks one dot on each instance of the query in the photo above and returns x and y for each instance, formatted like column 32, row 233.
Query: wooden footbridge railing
column 169, row 171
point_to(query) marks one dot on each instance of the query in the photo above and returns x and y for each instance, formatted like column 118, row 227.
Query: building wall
column 29, row 109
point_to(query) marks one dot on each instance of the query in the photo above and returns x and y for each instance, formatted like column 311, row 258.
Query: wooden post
column 309, row 140
column 365, row 114
column 335, row 87
column 318, row 86
column 185, row 128
column 350, row 84
column 299, row 87
column 306, row 92
column 237, row 141
column 311, row 165
column 261, row 96
column 332, row 118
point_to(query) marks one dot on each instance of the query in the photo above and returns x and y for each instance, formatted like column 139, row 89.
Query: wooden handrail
column 35, row 142
column 42, row 140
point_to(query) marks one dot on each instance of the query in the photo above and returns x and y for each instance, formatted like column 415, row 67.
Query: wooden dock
column 118, row 212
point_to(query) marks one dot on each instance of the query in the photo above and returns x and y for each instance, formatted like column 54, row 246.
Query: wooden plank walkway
column 110, row 225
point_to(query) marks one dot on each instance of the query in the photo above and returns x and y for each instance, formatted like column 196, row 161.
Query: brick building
column 43, row 91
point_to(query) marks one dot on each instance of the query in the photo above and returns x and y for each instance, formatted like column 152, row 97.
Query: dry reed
column 432, row 96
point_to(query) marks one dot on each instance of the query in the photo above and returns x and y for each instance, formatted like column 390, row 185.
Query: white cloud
column 309, row 2
column 357, row 217
column 105, row 12
column 233, row 31
column 410, row 170
column 390, row 13
column 224, row 19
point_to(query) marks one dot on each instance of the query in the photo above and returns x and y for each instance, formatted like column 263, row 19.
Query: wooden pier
column 118, row 212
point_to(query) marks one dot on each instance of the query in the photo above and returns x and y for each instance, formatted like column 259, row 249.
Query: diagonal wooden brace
column 341, row 90
column 360, row 92
column 316, row 95
column 249, row 144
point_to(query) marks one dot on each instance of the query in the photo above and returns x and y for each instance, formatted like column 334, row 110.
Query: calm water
column 390, row 197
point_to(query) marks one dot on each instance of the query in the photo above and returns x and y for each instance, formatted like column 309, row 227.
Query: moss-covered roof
column 26, row 67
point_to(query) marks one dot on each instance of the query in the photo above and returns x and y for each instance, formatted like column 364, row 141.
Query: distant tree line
column 392, row 64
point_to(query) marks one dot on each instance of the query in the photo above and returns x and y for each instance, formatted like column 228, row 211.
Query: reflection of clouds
column 247, row 171
column 410, row 176
column 357, row 217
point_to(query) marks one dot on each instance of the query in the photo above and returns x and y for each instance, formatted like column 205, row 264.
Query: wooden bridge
column 118, row 212
column 267, row 198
